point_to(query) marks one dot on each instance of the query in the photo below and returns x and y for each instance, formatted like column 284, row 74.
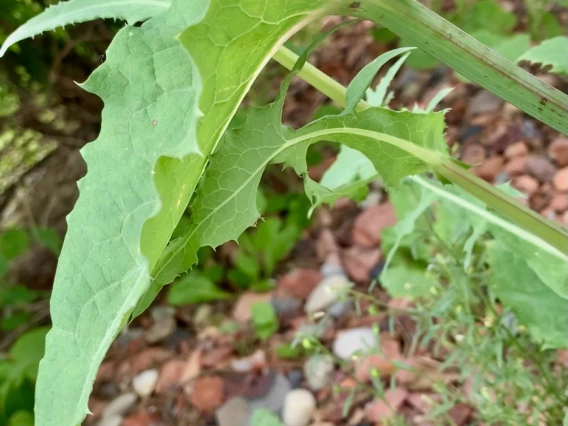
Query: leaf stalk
column 506, row 205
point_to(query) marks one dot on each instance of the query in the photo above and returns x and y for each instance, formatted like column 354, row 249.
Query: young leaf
column 398, row 143
column 150, row 89
column 264, row 319
column 380, row 96
column 76, row 11
column 194, row 288
column 552, row 52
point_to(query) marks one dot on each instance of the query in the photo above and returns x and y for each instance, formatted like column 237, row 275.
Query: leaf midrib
column 416, row 151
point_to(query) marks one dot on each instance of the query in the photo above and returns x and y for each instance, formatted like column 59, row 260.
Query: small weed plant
column 171, row 87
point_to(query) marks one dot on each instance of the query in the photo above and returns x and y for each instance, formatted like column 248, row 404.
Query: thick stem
column 434, row 35
column 491, row 196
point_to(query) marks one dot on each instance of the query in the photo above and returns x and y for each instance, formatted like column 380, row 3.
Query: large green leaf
column 229, row 57
column 75, row 11
column 150, row 89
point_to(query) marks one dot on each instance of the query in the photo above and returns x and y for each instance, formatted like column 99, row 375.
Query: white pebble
column 120, row 405
column 348, row 342
column 111, row 421
column 326, row 292
column 318, row 370
column 145, row 383
column 299, row 406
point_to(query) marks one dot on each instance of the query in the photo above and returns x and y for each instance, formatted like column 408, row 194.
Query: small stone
column 256, row 361
column 515, row 166
column 145, row 383
column 540, row 167
column 356, row 340
column 318, row 370
column 299, row 406
column 332, row 266
column 295, row 378
column 483, row 102
column 170, row 374
column 164, row 324
column 526, row 184
column 120, row 405
column 208, row 393
column 299, row 283
column 326, row 293
column 111, row 421
column 559, row 203
column 517, row 149
column 489, row 169
column 340, row 309
column 202, row 315
column 502, row 178
column 385, row 408
column 235, row 412
column 560, row 180
column 371, row 222
column 360, row 261
column 473, row 153
column 285, row 305
column 242, row 309
column 274, row 398
column 529, row 130
column 141, row 418
column 372, row 199
column 383, row 363
column 558, row 151
column 460, row 413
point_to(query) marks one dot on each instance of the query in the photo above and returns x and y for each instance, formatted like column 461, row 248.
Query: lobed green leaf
column 75, row 11
column 150, row 89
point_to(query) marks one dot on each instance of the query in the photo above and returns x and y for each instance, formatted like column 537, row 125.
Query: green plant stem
column 312, row 76
column 448, row 168
column 428, row 31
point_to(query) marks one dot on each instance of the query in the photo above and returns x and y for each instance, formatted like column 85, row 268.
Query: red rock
column 217, row 356
column 208, row 394
column 526, row 184
column 473, row 153
column 558, row 151
column 423, row 402
column 300, row 282
column 515, row 166
column 141, row 418
column 170, row 375
column 359, row 262
column 460, row 413
column 149, row 358
column 559, row 203
column 540, row 168
column 370, row 223
column 242, row 309
column 516, row 150
column 383, row 364
column 380, row 409
column 489, row 169
column 560, row 180
column 326, row 244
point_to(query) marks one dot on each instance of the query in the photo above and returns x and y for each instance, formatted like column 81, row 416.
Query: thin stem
column 313, row 76
column 491, row 196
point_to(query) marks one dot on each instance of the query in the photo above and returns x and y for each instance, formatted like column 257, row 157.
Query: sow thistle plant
column 171, row 87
